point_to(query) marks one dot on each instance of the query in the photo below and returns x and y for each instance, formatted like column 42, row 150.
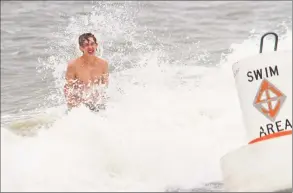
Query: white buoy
column 264, row 85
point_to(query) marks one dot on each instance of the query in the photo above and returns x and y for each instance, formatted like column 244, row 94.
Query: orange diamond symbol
column 269, row 100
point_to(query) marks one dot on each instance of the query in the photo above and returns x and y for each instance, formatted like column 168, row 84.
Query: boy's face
column 89, row 46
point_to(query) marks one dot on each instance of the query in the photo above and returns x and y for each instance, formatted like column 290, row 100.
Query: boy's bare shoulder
column 102, row 61
column 72, row 63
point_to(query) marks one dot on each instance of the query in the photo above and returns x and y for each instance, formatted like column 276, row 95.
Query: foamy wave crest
column 113, row 25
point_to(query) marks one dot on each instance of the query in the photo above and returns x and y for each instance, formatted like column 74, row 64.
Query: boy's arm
column 105, row 76
column 70, row 77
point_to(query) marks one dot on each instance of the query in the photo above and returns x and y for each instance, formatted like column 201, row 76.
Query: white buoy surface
column 264, row 85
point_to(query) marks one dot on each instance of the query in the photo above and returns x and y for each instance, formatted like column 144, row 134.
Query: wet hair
column 82, row 38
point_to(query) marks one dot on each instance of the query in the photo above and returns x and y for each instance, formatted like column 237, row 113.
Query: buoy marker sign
column 269, row 100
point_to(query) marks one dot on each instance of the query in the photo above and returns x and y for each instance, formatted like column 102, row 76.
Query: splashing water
column 165, row 127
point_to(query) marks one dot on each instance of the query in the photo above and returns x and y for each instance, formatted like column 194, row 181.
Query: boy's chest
column 89, row 74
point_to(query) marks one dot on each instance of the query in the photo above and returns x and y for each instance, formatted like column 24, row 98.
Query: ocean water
column 172, row 109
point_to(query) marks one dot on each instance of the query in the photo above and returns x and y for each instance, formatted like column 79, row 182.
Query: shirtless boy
column 84, row 74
